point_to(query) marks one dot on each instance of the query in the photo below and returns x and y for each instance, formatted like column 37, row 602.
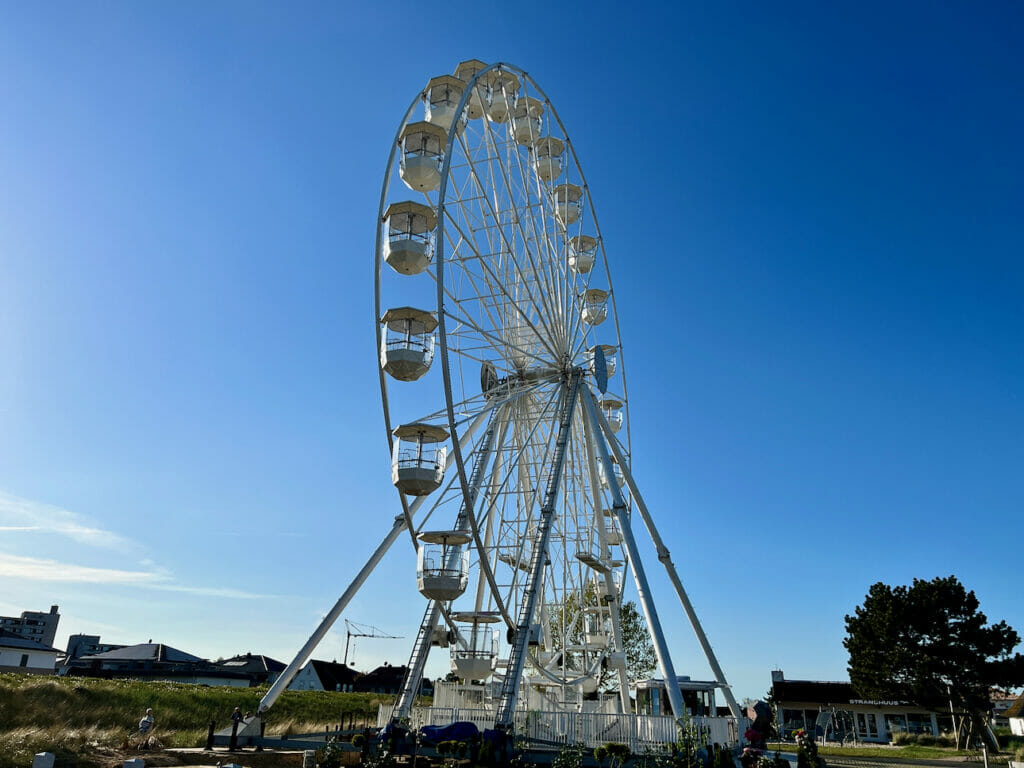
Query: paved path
column 849, row 761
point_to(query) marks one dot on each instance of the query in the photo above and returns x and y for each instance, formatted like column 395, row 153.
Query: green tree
column 636, row 640
column 929, row 643
column 567, row 622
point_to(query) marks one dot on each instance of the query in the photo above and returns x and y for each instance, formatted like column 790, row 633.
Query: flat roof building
column 34, row 625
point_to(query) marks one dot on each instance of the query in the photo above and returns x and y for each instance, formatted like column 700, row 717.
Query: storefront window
column 792, row 720
column 895, row 724
column 867, row 725
column 919, row 722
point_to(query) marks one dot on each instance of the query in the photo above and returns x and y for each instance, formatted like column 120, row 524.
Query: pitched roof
column 253, row 661
column 146, row 652
column 12, row 640
column 332, row 675
column 384, row 676
column 1016, row 709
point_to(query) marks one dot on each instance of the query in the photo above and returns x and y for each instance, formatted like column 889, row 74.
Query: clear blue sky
column 815, row 220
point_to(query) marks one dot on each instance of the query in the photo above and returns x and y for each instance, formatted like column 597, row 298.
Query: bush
column 926, row 740
column 329, row 756
column 902, row 738
column 569, row 756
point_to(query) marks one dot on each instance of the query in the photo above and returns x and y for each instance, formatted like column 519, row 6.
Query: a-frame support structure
column 602, row 447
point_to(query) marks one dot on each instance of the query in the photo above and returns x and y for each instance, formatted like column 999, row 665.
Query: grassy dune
column 83, row 716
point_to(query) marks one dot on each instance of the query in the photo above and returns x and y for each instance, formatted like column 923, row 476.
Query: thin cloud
column 234, row 594
column 39, row 569
column 24, row 515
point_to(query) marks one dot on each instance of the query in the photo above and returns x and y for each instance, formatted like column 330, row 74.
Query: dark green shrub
column 329, row 756
column 569, row 756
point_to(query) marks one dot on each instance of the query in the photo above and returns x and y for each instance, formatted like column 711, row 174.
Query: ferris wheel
column 505, row 406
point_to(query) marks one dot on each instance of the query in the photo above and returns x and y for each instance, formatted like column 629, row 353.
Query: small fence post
column 209, row 736
column 233, row 744
column 263, row 728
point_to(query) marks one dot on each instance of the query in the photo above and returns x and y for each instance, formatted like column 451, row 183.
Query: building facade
column 320, row 675
column 87, row 645
column 1015, row 715
column 834, row 711
column 330, row 676
column 698, row 697
column 20, row 654
column 34, row 625
column 154, row 661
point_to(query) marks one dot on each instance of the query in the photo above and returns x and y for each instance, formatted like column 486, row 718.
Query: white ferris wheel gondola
column 407, row 349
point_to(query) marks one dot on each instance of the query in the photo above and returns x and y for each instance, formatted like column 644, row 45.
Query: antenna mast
column 363, row 630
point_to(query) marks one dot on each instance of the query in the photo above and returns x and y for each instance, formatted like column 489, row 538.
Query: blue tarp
column 435, row 734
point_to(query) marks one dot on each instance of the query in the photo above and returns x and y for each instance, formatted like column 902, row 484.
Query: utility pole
column 363, row 630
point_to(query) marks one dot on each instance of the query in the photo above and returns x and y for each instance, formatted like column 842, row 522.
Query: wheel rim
column 509, row 312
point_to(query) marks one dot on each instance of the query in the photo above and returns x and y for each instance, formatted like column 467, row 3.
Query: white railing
column 592, row 729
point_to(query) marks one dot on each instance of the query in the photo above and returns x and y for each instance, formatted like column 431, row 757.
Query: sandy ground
column 110, row 757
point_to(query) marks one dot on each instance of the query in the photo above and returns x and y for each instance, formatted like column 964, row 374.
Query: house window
column 24, row 660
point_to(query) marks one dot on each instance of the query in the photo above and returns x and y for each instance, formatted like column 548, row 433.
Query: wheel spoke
column 510, row 334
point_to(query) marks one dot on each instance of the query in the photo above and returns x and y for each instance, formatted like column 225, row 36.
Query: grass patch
column 910, row 751
column 77, row 717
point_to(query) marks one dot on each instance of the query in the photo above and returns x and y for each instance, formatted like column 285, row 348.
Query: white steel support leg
column 643, row 589
column 332, row 616
column 401, row 524
column 607, row 576
column 666, row 559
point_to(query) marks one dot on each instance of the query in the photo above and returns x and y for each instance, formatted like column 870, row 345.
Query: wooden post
column 233, row 744
column 209, row 736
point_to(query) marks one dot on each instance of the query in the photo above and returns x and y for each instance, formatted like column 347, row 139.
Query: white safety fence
column 640, row 732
